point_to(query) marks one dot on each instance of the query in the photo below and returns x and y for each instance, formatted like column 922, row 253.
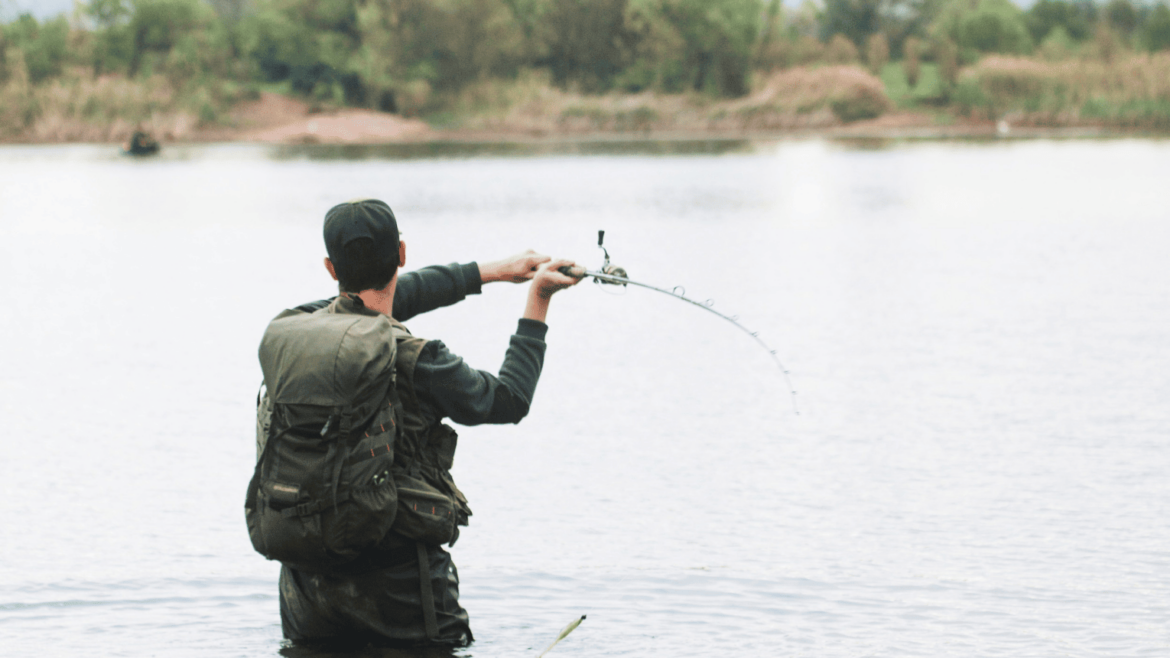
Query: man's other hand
column 549, row 279
column 517, row 269
column 546, row 282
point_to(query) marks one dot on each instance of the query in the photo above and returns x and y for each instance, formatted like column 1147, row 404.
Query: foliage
column 43, row 46
column 877, row 52
column 841, row 50
column 859, row 19
column 911, row 51
column 1134, row 90
column 988, row 26
column 1057, row 45
column 157, row 26
column 853, row 19
column 1122, row 16
column 446, row 57
column 947, row 56
column 703, row 45
column 587, row 42
column 1156, row 32
column 1075, row 18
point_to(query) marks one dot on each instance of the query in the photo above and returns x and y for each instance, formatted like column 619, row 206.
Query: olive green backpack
column 324, row 491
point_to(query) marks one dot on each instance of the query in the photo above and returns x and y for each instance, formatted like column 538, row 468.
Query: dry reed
column 788, row 99
column 1128, row 91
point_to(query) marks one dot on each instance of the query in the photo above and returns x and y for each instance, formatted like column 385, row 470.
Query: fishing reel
column 607, row 267
column 613, row 275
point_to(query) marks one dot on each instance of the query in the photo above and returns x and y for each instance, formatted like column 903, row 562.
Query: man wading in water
column 352, row 490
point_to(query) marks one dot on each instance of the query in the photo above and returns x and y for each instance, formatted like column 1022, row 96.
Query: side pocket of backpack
column 425, row 513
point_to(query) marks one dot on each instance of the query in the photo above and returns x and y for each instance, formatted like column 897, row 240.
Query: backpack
column 322, row 493
column 343, row 460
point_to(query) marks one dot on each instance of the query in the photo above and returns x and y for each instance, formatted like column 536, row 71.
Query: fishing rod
column 616, row 275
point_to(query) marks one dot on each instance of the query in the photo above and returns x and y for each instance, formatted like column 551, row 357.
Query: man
column 406, row 594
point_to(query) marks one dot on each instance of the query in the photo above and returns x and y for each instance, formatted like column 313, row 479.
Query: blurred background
column 187, row 69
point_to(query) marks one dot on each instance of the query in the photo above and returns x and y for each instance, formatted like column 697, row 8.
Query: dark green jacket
column 445, row 385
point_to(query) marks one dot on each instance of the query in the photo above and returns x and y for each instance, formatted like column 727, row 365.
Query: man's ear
column 401, row 253
column 329, row 266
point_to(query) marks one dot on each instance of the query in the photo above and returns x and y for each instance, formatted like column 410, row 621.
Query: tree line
column 406, row 55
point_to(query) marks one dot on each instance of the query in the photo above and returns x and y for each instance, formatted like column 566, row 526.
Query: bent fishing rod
column 616, row 275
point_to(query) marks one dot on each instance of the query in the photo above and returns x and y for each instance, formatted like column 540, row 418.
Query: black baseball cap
column 353, row 220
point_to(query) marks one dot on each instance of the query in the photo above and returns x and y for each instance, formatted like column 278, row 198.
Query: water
column 977, row 332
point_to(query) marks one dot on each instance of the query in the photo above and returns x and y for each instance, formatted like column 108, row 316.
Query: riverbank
column 1000, row 97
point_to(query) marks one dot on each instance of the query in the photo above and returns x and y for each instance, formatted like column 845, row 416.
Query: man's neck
column 382, row 300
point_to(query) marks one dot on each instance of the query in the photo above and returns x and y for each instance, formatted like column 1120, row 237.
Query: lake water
column 979, row 333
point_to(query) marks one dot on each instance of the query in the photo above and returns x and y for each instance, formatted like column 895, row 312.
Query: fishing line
column 616, row 275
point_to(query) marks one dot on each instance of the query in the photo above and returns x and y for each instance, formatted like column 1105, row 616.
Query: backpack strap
column 430, row 620
column 409, row 347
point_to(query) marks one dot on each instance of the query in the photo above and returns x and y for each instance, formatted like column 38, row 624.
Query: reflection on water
column 430, row 150
column 976, row 331
column 341, row 650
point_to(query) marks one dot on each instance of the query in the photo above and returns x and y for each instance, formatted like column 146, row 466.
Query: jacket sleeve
column 455, row 390
column 434, row 287
column 425, row 290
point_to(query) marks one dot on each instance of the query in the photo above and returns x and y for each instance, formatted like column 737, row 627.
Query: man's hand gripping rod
column 616, row 275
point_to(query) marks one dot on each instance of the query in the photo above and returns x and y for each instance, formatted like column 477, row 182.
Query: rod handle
column 575, row 271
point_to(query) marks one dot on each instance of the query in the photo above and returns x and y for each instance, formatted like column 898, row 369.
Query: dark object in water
column 141, row 143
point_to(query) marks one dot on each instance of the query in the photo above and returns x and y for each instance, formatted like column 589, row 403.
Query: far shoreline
column 974, row 131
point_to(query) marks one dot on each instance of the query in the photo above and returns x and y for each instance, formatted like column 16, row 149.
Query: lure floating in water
column 615, row 275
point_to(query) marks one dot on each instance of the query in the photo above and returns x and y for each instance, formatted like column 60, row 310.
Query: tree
column 985, row 26
column 1077, row 18
column 586, row 42
column 231, row 10
column 1156, row 33
column 705, row 45
column 946, row 53
column 877, row 52
column 1122, row 16
column 910, row 52
column 43, row 46
column 113, row 42
column 897, row 19
column 853, row 19
column 157, row 25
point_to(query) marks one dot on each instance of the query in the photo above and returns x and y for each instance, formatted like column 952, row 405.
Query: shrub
column 848, row 92
column 968, row 95
column 841, row 50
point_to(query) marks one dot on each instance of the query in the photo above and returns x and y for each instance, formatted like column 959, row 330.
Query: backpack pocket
column 425, row 513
